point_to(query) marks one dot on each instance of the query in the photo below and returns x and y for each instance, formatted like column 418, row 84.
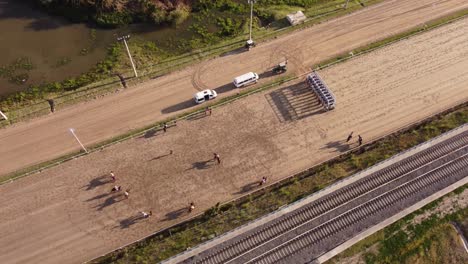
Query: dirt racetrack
column 46, row 138
column 67, row 215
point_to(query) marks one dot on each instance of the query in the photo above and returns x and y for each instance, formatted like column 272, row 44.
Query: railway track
column 438, row 160
column 449, row 172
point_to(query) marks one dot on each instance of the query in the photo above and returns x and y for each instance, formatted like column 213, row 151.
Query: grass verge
column 225, row 217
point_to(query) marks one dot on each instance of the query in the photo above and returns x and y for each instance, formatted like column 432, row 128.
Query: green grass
column 225, row 217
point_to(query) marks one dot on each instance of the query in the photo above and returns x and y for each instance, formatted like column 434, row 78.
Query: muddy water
column 36, row 47
column 54, row 48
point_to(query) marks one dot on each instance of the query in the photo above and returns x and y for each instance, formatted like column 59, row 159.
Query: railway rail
column 437, row 165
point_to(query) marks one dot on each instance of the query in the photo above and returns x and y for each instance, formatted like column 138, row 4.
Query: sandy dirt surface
column 68, row 215
column 45, row 138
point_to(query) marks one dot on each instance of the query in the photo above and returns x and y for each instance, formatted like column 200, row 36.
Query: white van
column 245, row 79
column 204, row 95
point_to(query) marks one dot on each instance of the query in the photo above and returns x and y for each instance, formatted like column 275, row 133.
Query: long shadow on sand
column 97, row 197
column 101, row 180
column 110, row 201
column 128, row 222
column 248, row 187
column 339, row 145
column 196, row 116
column 176, row 214
column 160, row 157
column 202, row 165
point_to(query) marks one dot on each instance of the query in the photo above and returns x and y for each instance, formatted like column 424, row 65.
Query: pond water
column 36, row 47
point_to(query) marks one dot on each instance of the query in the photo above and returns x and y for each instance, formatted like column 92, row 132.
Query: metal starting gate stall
column 324, row 94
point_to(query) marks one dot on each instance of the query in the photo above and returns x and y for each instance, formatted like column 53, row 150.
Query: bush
column 158, row 16
column 113, row 19
column 179, row 15
column 229, row 27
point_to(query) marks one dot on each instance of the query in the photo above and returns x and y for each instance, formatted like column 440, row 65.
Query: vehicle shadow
column 101, row 180
column 225, row 88
column 267, row 74
column 179, row 106
column 234, row 52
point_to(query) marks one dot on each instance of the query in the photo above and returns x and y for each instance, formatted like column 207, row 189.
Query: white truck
column 204, row 95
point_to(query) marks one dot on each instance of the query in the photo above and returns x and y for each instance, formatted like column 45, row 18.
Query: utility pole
column 346, row 5
column 124, row 39
column 73, row 133
column 251, row 2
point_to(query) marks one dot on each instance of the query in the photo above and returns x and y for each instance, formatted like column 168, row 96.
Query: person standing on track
column 263, row 181
column 359, row 140
column 350, row 137
column 112, row 175
column 208, row 111
column 52, row 105
column 217, row 158
column 127, row 193
column 191, row 207
column 165, row 127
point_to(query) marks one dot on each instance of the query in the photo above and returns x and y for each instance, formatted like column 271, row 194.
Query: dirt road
column 68, row 215
column 46, row 138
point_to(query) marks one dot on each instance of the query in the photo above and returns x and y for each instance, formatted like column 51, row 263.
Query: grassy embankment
column 206, row 35
column 223, row 218
column 432, row 240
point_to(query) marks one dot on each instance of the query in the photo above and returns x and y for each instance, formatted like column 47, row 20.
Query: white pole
column 251, row 16
column 73, row 133
column 4, row 116
column 124, row 38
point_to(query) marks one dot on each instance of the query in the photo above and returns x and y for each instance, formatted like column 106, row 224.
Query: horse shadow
column 101, row 180
column 97, row 197
column 128, row 222
column 202, row 165
column 109, row 201
column 339, row 145
column 176, row 214
column 248, row 187
column 150, row 133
